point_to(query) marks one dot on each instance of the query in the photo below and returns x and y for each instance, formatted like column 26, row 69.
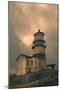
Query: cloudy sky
column 24, row 19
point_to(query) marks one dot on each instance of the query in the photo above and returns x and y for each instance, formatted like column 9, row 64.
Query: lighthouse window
column 31, row 62
column 27, row 62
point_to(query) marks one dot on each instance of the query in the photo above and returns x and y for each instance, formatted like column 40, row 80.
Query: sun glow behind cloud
column 35, row 24
column 27, row 40
column 31, row 17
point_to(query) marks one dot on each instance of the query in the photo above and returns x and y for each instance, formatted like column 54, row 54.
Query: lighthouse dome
column 38, row 33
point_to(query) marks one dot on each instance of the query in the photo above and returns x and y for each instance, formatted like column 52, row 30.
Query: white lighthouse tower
column 39, row 54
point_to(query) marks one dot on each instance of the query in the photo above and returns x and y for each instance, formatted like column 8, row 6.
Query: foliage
column 50, row 80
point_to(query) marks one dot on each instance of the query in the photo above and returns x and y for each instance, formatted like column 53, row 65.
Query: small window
column 31, row 62
column 27, row 62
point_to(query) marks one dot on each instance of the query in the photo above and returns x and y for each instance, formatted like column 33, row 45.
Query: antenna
column 38, row 30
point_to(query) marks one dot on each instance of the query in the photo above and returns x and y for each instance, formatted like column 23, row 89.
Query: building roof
column 23, row 55
column 39, row 56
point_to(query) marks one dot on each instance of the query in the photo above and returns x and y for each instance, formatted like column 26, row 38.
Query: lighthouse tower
column 39, row 54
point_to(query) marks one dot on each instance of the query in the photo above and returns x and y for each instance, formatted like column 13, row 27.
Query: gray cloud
column 24, row 20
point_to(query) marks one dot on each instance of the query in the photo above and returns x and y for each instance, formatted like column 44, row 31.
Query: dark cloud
column 16, row 46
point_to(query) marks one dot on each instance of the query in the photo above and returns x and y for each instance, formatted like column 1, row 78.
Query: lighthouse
column 26, row 64
column 39, row 53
